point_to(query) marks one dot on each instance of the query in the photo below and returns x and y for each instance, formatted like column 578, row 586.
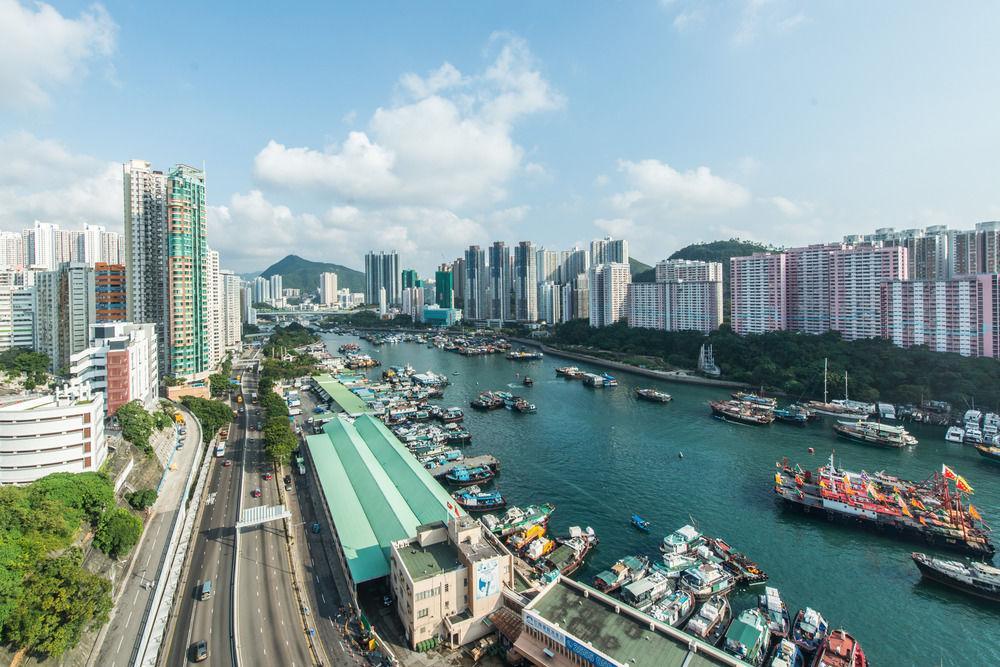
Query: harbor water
column 600, row 454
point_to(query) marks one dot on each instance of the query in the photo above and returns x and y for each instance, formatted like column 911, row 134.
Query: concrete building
column 413, row 303
column 550, row 302
column 649, row 306
column 691, row 298
column 609, row 284
column 458, row 278
column 581, row 297
column 215, row 332
column 807, row 283
column 525, row 282
column 382, row 272
column 54, row 432
column 188, row 288
column 328, row 289
column 955, row 315
column 232, row 321
column 277, row 286
column 409, row 278
column 441, row 317
column 17, row 307
column 609, row 251
column 64, row 310
column 12, row 251
column 687, row 270
column 547, row 266
column 475, row 303
column 110, row 292
column 758, row 296
column 41, row 249
column 145, row 191
column 447, row 580
column 856, row 277
column 444, row 289
column 121, row 362
column 500, row 282
column 573, row 263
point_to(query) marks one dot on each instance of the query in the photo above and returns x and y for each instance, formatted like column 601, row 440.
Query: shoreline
column 680, row 377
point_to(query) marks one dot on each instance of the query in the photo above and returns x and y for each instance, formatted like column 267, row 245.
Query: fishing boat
column 640, row 523
column 566, row 558
column 524, row 355
column 706, row 580
column 474, row 499
column 741, row 413
column 468, row 476
column 779, row 623
column 682, row 540
column 974, row 578
column 955, row 434
column 644, row 593
column 747, row 637
column 875, row 434
column 989, row 452
column 838, row 408
column 519, row 540
column 527, row 381
column 521, row 405
column 653, row 395
column 452, row 415
column 569, row 372
column 515, row 519
column 930, row 511
column 744, row 570
column 623, row 572
column 457, row 435
column 840, row 649
column 710, row 622
column 809, row 630
column 787, row 654
column 755, row 399
column 791, row 415
column 488, row 400
column 675, row 609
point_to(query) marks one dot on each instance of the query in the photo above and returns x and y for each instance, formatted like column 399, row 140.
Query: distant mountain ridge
column 303, row 274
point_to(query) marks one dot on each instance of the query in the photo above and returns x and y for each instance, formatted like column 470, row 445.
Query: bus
column 220, row 448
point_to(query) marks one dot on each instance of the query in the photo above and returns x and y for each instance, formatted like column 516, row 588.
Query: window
column 423, row 613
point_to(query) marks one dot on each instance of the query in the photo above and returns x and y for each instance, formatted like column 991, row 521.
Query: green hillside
column 636, row 267
column 298, row 273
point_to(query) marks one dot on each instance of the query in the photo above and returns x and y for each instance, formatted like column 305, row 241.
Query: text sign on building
column 588, row 654
column 534, row 622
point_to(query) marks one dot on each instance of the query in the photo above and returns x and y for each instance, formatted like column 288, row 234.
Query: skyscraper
column 475, row 304
column 525, row 282
column 550, row 302
column 111, row 299
column 500, row 283
column 277, row 287
column 608, row 250
column 187, row 288
column 458, row 277
column 232, row 323
column 572, row 263
column 41, row 247
column 608, row 293
column 758, row 296
column 328, row 288
column 409, row 278
column 64, row 312
column 213, row 299
column 382, row 272
column 546, row 266
column 146, row 249
column 444, row 289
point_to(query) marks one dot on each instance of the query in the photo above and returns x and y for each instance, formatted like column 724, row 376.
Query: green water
column 600, row 454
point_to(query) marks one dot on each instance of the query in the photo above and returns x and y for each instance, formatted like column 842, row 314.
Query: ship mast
column 826, row 360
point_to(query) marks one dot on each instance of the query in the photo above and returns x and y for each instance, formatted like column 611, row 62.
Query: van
column 205, row 590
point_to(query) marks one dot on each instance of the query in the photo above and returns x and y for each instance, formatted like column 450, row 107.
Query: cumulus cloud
column 447, row 143
column 786, row 206
column 41, row 49
column 42, row 179
column 251, row 232
column 656, row 187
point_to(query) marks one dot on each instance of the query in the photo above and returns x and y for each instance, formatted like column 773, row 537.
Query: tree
column 136, row 423
column 219, row 384
column 140, row 500
column 117, row 532
column 90, row 493
column 213, row 415
column 162, row 420
column 279, row 440
column 60, row 600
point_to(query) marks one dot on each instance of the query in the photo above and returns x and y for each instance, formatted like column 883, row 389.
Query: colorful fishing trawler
column 623, row 572
column 515, row 519
column 930, row 511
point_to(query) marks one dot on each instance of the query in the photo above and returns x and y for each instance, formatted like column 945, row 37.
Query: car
column 182, row 430
column 287, row 479
column 255, row 493
column 268, row 476
column 315, row 528
column 257, row 412
column 227, row 463
column 200, row 651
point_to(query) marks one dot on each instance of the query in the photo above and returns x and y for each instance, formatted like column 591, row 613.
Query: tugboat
column 710, row 622
column 977, row 579
column 625, row 571
column 466, row 476
column 640, row 523
column 747, row 637
column 475, row 499
column 840, row 650
column 875, row 434
column 515, row 519
column 653, row 395
column 809, row 630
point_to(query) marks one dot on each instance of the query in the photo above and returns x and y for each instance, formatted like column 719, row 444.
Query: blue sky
column 328, row 130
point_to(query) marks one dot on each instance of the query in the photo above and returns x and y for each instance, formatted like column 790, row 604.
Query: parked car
column 200, row 651
column 255, row 493
column 227, row 463
column 268, row 476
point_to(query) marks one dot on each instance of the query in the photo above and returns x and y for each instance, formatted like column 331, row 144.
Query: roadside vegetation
column 138, row 424
column 793, row 363
column 47, row 598
column 213, row 415
column 23, row 363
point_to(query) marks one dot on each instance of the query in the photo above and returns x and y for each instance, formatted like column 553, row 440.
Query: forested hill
column 299, row 273
column 713, row 251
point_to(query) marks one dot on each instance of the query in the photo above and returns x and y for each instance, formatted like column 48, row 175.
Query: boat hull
column 936, row 576
column 883, row 444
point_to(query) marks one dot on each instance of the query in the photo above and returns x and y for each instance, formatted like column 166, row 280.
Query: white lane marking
column 323, row 598
column 120, row 644
column 129, row 619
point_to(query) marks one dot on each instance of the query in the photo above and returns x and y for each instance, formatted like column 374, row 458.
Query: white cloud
column 41, row 49
column 786, row 206
column 765, row 16
column 251, row 232
column 687, row 18
column 41, row 179
column 449, row 144
column 656, row 187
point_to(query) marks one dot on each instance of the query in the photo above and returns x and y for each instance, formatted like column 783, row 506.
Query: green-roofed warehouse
column 336, row 391
column 375, row 491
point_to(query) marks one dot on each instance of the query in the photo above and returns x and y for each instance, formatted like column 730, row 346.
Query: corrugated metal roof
column 376, row 491
column 344, row 397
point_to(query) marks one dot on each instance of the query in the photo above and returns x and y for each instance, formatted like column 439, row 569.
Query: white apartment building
column 45, row 433
column 856, row 277
column 12, row 251
column 758, row 293
column 609, row 284
column 64, row 310
column 17, row 309
column 232, row 325
column 649, row 306
column 121, row 363
column 213, row 297
column 328, row 289
column 550, row 302
column 609, row 251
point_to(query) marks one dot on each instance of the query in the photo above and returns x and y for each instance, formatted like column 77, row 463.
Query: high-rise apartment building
column 382, row 272
column 41, row 248
column 609, row 284
column 458, row 278
column 525, row 282
column 409, row 278
column 758, row 294
column 13, row 294
column 65, row 309
column 11, row 251
column 649, row 306
column 856, row 276
column 581, row 297
column 189, row 352
column 808, row 287
column 232, row 321
column 213, row 298
column 110, row 299
column 475, row 304
column 328, row 288
column 608, row 251
column 444, row 289
column 145, row 192
column 687, row 295
column 500, row 282
column 277, row 287
column 547, row 266
column 572, row 263
column 550, row 302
